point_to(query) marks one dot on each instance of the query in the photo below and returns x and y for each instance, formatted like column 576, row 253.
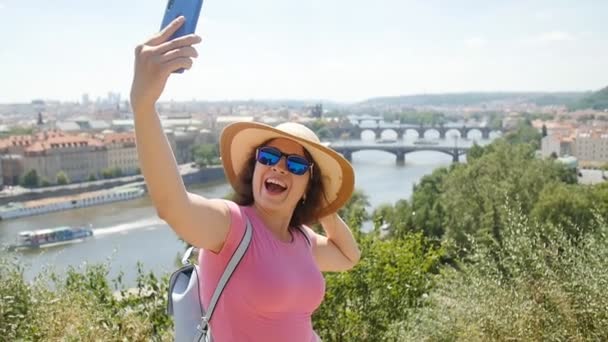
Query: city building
column 182, row 143
column 78, row 156
column 223, row 121
column 555, row 127
column 511, row 120
column 82, row 124
column 122, row 151
column 557, row 145
column 11, row 168
column 591, row 147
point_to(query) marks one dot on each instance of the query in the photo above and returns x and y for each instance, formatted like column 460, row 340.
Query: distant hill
column 327, row 104
column 597, row 100
column 467, row 99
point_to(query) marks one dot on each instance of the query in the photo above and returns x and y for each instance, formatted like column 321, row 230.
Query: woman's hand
column 156, row 59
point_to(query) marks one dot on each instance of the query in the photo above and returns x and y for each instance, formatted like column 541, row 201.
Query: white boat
column 51, row 237
column 47, row 205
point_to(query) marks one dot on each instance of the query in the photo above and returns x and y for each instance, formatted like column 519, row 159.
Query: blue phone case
column 190, row 9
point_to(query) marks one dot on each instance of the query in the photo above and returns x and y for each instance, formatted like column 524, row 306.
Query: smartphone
column 190, row 9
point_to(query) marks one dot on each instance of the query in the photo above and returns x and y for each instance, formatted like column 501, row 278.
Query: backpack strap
column 232, row 264
column 303, row 231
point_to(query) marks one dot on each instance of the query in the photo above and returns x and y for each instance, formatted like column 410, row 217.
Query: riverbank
column 191, row 175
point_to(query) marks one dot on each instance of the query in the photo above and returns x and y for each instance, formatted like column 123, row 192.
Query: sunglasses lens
column 268, row 156
column 297, row 165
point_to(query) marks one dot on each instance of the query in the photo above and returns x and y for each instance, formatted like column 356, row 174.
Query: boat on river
column 34, row 239
column 47, row 205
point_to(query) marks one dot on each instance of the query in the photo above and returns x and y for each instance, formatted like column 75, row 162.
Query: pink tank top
column 271, row 294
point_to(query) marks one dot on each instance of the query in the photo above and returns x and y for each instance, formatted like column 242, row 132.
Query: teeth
column 276, row 181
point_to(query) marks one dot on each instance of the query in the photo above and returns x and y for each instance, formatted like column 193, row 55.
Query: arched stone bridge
column 399, row 150
column 356, row 130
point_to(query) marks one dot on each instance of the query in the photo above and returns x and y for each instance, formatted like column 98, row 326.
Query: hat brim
column 239, row 140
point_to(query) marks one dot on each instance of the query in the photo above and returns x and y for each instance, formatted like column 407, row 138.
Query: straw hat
column 239, row 140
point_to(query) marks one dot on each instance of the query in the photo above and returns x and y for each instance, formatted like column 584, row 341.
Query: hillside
column 468, row 99
column 597, row 100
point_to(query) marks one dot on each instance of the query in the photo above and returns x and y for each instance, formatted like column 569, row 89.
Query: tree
column 569, row 206
column 427, row 208
column 62, row 178
column 321, row 129
column 325, row 134
column 475, row 152
column 566, row 174
column 116, row 172
column 525, row 134
column 354, row 212
column 396, row 221
column 30, row 179
column 419, row 118
column 495, row 120
column 92, row 177
column 360, row 305
column 544, row 130
column 552, row 287
column 17, row 130
column 206, row 154
column 106, row 173
column 475, row 197
column 597, row 100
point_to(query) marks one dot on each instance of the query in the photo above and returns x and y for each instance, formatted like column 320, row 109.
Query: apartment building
column 11, row 160
column 122, row 151
column 79, row 156
column 592, row 147
column 12, row 168
column 557, row 144
column 82, row 155
column 182, row 144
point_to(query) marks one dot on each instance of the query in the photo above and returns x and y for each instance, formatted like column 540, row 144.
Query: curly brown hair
column 305, row 212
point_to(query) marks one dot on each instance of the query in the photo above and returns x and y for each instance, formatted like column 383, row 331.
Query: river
column 128, row 232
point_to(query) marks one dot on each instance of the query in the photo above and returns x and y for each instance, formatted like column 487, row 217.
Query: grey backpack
column 190, row 319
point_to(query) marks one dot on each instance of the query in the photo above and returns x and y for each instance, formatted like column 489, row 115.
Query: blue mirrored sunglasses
column 270, row 156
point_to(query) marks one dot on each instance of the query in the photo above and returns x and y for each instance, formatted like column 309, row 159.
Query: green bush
column 30, row 179
column 116, row 172
column 382, row 289
column 82, row 306
column 540, row 284
column 62, row 178
column 107, row 173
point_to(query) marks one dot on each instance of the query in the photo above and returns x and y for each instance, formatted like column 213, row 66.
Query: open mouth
column 274, row 186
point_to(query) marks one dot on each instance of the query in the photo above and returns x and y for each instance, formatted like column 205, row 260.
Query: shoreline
column 190, row 176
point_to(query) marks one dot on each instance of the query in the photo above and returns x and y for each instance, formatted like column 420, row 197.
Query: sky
column 334, row 50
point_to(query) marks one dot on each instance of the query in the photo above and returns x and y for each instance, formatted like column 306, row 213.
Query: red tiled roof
column 113, row 138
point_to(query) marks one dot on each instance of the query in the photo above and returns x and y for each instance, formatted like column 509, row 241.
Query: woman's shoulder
column 236, row 228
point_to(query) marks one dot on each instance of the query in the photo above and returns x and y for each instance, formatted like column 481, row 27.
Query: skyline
column 339, row 51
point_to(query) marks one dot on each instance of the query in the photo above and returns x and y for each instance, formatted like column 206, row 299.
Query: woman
column 283, row 178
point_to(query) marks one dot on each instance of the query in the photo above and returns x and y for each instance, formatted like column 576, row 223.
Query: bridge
column 463, row 131
column 377, row 125
column 399, row 150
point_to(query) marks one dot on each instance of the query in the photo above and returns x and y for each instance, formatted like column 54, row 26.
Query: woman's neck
column 275, row 221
